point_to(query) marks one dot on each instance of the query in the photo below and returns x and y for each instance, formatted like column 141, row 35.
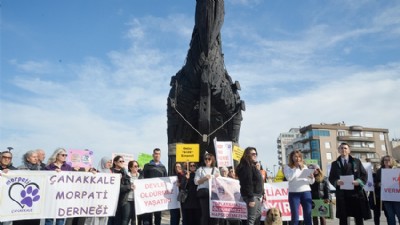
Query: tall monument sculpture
column 203, row 102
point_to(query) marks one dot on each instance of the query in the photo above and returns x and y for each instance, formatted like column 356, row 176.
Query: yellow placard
column 237, row 153
column 187, row 153
column 279, row 176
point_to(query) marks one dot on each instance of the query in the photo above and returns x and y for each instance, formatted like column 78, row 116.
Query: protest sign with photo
column 156, row 194
column 321, row 209
column 50, row 194
column 226, row 200
column 80, row 158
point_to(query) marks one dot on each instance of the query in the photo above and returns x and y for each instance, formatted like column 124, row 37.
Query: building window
column 327, row 145
column 370, row 155
column 369, row 134
column 356, row 155
column 381, row 137
column 329, row 155
column 383, row 147
column 341, row 133
column 356, row 133
column 356, row 144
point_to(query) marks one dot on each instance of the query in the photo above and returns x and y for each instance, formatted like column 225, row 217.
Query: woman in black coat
column 350, row 203
column 191, row 207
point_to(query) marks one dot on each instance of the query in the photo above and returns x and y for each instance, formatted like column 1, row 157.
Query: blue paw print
column 29, row 195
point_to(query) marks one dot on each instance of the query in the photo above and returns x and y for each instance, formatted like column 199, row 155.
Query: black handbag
column 182, row 195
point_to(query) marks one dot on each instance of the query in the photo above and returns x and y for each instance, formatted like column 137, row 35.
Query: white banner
column 390, row 185
column 156, row 194
column 369, row 186
column 223, row 150
column 226, row 201
column 48, row 194
column 277, row 195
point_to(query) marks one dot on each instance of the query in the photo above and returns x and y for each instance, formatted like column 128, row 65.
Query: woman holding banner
column 201, row 179
column 391, row 208
column 134, row 174
column 58, row 162
column 191, row 207
column 251, row 185
column 123, row 208
column 299, row 188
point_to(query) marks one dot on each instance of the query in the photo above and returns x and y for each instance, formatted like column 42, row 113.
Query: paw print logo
column 24, row 195
column 29, row 196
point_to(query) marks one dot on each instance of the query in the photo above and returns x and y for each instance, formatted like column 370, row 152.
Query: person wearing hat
column 319, row 190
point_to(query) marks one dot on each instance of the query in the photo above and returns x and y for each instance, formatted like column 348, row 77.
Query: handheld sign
column 80, row 158
column 187, row 153
column 237, row 153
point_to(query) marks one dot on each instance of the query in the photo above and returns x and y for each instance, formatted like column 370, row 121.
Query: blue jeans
column 392, row 210
column 253, row 213
column 51, row 221
column 303, row 198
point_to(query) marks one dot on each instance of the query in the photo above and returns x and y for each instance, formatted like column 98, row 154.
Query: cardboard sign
column 80, row 158
column 187, row 153
column 237, row 153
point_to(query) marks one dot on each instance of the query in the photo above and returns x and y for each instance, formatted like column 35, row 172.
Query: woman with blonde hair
column 299, row 188
column 57, row 162
column 319, row 190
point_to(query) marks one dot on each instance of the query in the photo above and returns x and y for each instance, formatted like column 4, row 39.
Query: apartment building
column 285, row 140
column 320, row 142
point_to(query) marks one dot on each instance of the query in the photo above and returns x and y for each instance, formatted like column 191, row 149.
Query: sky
column 95, row 74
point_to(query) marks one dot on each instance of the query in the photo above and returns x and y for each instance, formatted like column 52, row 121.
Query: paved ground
column 165, row 220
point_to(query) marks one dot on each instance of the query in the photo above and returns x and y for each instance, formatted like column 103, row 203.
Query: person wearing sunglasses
column 191, row 207
column 201, row 179
column 123, row 208
column 251, row 185
column 6, row 162
column 134, row 174
column 57, row 162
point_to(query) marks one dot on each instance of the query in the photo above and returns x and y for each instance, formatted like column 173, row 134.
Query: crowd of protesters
column 194, row 177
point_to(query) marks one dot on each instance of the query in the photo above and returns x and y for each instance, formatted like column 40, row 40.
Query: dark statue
column 203, row 102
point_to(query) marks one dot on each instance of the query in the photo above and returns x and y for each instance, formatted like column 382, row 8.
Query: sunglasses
column 6, row 157
column 121, row 161
column 136, row 166
column 192, row 165
column 253, row 154
column 207, row 159
column 64, row 155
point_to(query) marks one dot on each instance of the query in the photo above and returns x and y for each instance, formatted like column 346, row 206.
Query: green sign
column 144, row 158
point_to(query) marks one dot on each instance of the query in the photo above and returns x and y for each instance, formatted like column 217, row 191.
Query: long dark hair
column 246, row 160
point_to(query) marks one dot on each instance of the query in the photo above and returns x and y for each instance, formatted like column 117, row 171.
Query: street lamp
column 274, row 171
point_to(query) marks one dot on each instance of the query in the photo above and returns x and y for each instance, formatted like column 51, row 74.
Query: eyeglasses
column 6, row 157
column 207, row 159
column 64, row 155
column 121, row 161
